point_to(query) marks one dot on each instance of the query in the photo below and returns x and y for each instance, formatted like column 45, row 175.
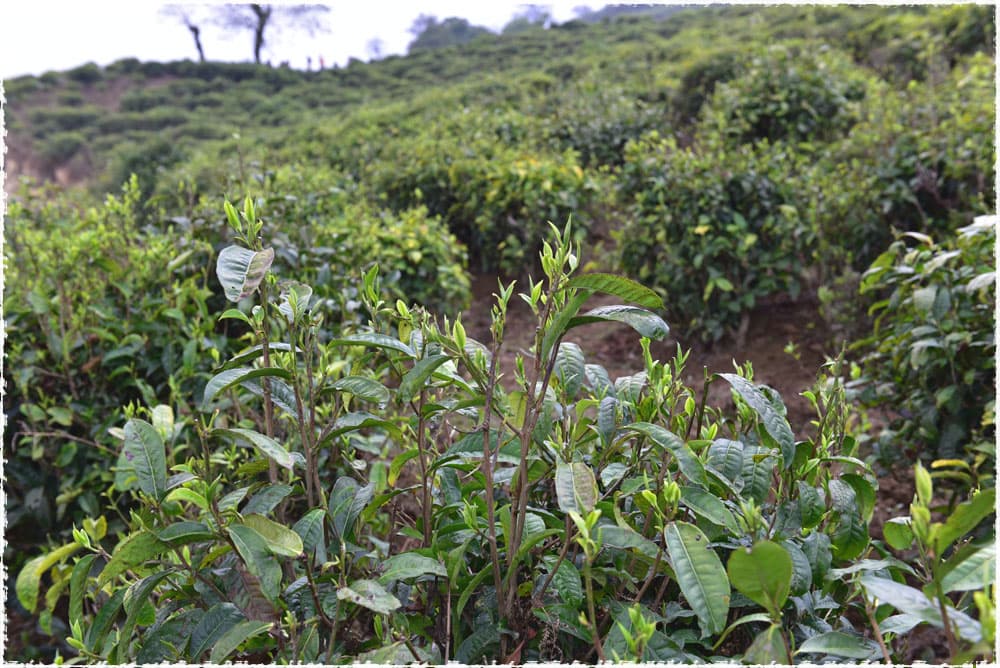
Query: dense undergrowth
column 330, row 469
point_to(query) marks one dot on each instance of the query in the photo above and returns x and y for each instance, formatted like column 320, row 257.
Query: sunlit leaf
column 240, row 270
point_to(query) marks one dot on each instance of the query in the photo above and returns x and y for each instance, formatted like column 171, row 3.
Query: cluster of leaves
column 381, row 496
column 491, row 198
column 384, row 163
column 931, row 356
column 831, row 160
column 99, row 311
column 918, row 160
column 955, row 565
column 713, row 230
column 337, row 230
column 779, row 94
column 103, row 309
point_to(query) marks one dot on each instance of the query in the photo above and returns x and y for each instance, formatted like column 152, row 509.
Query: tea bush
column 903, row 176
column 61, row 146
column 597, row 122
column 784, row 94
column 93, row 325
column 714, row 230
column 699, row 81
column 379, row 496
column 490, row 196
column 931, row 356
column 422, row 261
column 99, row 312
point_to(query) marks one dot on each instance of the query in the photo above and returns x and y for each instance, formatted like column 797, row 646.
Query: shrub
column 921, row 161
column 714, row 230
column 125, row 66
column 85, row 74
column 145, row 161
column 70, row 98
column 625, row 500
column 489, row 195
column 155, row 119
column 931, row 355
column 779, row 94
column 330, row 239
column 699, row 81
column 597, row 123
column 145, row 100
column 61, row 146
column 63, row 119
column 99, row 312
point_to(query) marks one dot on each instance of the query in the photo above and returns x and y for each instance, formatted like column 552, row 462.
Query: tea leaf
column 415, row 378
column 229, row 641
column 975, row 571
column 618, row 286
column 131, row 552
column 280, row 540
column 218, row 620
column 363, row 388
column 700, row 574
column 30, row 577
column 410, row 565
column 265, row 444
column 240, row 270
column 688, row 462
column 839, row 644
column 763, row 574
column 77, row 587
column 182, row 533
column 576, row 487
column 254, row 551
column 965, row 518
column 373, row 340
column 369, row 594
column 569, row 368
column 774, row 423
column 146, row 454
column 768, row 648
column 644, row 322
column 223, row 380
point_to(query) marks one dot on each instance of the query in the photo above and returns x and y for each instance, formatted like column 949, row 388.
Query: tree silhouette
column 189, row 16
column 259, row 17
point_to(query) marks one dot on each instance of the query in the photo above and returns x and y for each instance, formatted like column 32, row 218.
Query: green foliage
column 60, row 119
column 433, row 34
column 714, row 230
column 779, row 94
column 207, row 561
column 328, row 472
column 932, row 352
column 61, row 147
column 955, row 568
column 597, row 121
column 494, row 198
column 700, row 80
column 100, row 312
column 85, row 74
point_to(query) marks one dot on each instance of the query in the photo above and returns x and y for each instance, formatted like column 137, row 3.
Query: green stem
column 422, row 459
column 487, row 468
column 595, row 633
column 272, row 470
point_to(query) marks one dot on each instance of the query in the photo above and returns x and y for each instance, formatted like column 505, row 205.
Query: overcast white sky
column 38, row 36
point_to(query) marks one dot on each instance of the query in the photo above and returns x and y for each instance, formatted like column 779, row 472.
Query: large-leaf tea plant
column 388, row 495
